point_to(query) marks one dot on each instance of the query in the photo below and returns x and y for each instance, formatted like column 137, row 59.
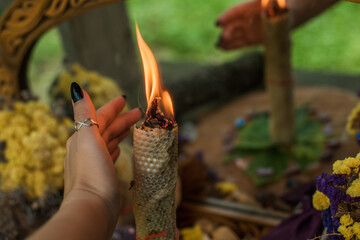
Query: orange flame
column 153, row 84
column 281, row 3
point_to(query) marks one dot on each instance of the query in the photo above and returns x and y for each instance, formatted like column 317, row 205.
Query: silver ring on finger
column 87, row 122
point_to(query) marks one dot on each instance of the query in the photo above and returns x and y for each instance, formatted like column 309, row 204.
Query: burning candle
column 155, row 157
column 278, row 72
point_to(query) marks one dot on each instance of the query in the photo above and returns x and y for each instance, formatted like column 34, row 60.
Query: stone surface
column 206, row 225
column 223, row 233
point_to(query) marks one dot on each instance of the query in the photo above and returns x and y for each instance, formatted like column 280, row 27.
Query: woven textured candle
column 155, row 158
column 155, row 164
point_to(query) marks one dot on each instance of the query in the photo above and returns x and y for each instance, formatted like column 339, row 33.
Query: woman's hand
column 91, row 151
column 91, row 196
column 241, row 26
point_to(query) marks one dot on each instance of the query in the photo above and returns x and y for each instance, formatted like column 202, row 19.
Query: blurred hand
column 241, row 26
column 92, row 151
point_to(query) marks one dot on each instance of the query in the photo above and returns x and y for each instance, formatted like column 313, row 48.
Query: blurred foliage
column 3, row 5
column 48, row 47
column 253, row 140
column 46, row 63
column 330, row 42
column 185, row 31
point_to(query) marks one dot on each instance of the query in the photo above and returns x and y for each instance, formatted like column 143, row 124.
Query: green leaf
column 255, row 135
column 308, row 130
column 310, row 139
column 305, row 154
column 268, row 159
column 254, row 140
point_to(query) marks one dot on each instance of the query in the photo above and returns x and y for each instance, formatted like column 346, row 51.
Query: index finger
column 107, row 113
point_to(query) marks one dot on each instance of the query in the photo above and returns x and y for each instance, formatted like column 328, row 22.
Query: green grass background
column 185, row 31
column 330, row 42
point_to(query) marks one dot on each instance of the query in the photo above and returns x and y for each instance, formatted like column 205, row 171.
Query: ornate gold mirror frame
column 21, row 25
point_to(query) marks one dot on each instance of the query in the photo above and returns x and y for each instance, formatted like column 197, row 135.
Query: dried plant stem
column 278, row 77
column 326, row 235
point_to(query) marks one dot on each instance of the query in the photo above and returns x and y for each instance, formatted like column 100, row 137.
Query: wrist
column 94, row 204
column 83, row 215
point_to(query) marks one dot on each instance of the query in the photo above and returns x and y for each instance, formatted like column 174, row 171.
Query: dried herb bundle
column 155, row 118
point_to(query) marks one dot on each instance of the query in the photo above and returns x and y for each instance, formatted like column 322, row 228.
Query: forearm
column 82, row 216
column 304, row 10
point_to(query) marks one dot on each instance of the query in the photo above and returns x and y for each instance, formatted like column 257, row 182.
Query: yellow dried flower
column 346, row 220
column 354, row 188
column 320, row 201
column 353, row 122
column 356, row 229
column 340, row 168
column 353, row 163
column 100, row 88
column 346, row 166
column 347, row 232
column 35, row 149
column 192, row 233
column 226, row 187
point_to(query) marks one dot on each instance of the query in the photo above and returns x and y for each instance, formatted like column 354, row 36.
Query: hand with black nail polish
column 90, row 207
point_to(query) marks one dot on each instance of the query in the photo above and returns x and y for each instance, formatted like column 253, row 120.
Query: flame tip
column 153, row 84
column 281, row 3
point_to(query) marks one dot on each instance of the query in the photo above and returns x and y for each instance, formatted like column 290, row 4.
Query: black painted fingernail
column 124, row 96
column 76, row 92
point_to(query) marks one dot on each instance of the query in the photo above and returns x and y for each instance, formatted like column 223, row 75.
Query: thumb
column 82, row 104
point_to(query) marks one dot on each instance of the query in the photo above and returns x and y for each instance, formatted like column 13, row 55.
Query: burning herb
column 274, row 9
column 155, row 118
